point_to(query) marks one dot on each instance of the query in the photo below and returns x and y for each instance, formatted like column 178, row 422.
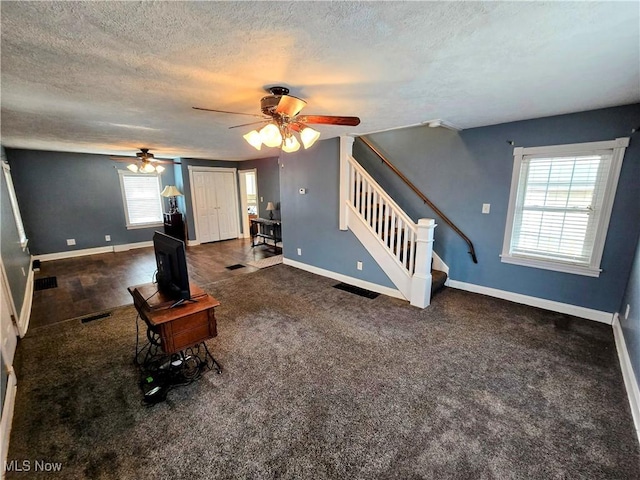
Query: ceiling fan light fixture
column 270, row 135
column 133, row 167
column 148, row 168
column 254, row 139
column 159, row 169
column 308, row 136
column 290, row 144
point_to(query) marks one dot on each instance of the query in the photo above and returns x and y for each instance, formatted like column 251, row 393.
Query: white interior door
column 205, row 207
column 215, row 203
column 225, row 185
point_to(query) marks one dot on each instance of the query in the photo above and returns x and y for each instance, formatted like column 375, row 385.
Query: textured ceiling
column 110, row 77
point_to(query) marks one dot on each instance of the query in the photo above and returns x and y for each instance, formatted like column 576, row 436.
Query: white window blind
column 142, row 201
column 559, row 212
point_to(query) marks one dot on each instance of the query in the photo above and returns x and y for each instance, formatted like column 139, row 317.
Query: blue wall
column 311, row 221
column 459, row 171
column 631, row 325
column 15, row 260
column 268, row 183
column 72, row 195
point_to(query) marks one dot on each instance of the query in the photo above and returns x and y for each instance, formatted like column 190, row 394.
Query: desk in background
column 264, row 231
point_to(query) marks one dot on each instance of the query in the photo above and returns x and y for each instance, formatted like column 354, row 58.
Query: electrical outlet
column 486, row 207
column 261, row 199
column 71, row 241
column 299, row 251
column 359, row 265
column 626, row 312
column 107, row 238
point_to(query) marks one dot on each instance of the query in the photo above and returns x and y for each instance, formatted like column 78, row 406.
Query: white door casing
column 8, row 330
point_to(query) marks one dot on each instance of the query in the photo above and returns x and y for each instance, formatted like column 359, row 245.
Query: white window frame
column 133, row 226
column 22, row 236
column 618, row 147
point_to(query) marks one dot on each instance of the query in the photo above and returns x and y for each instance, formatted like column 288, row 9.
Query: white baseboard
column 25, row 311
column 438, row 264
column 92, row 251
column 192, row 243
column 566, row 308
column 7, row 417
column 630, row 381
column 374, row 287
column 130, row 246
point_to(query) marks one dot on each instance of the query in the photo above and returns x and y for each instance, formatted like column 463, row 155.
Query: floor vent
column 234, row 267
column 95, row 317
column 357, row 290
column 45, row 283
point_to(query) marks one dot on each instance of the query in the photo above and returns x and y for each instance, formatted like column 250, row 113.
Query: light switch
column 486, row 207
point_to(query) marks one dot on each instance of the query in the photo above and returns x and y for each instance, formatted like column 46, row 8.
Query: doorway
column 248, row 198
column 215, row 203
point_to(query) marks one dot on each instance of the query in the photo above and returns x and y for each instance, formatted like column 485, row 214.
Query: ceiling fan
column 281, row 116
column 145, row 162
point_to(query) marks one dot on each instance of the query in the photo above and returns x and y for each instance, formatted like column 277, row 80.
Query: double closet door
column 215, row 195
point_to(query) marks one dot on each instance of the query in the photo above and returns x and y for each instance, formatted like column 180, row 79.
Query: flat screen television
column 171, row 260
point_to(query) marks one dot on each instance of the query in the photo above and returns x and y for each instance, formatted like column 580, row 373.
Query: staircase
column 402, row 248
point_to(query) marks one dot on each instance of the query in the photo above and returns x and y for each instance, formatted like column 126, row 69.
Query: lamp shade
column 254, row 139
column 309, row 136
column 270, row 207
column 270, row 135
column 290, row 144
column 170, row 191
column 133, row 167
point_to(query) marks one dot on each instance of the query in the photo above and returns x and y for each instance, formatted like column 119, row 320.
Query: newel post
column 421, row 280
column 346, row 151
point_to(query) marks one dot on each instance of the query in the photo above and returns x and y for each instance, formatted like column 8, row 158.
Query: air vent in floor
column 95, row 317
column 357, row 290
column 234, row 267
column 45, row 283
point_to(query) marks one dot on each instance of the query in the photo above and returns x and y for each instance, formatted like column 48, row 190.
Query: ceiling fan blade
column 252, row 123
column 165, row 161
column 138, row 159
column 290, row 106
column 329, row 120
column 225, row 111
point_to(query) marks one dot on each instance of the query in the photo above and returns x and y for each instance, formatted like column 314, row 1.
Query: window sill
column 145, row 225
column 550, row 265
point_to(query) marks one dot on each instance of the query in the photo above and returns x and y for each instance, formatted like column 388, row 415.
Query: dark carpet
column 319, row 383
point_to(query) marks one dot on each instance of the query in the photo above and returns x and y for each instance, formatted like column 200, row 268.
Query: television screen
column 171, row 260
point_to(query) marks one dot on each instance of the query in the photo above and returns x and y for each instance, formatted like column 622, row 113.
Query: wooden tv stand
column 180, row 327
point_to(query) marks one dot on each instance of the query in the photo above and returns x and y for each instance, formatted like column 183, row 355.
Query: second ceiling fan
column 281, row 113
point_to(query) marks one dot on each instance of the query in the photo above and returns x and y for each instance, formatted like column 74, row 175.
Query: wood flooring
column 95, row 283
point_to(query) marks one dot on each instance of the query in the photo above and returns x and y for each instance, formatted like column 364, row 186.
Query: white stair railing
column 382, row 226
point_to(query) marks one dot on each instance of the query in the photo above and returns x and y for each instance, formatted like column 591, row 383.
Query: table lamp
column 171, row 192
column 270, row 209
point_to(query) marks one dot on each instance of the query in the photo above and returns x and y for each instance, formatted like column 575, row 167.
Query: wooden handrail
column 415, row 189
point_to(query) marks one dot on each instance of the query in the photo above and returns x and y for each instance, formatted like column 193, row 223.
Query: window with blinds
column 141, row 198
column 560, row 205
